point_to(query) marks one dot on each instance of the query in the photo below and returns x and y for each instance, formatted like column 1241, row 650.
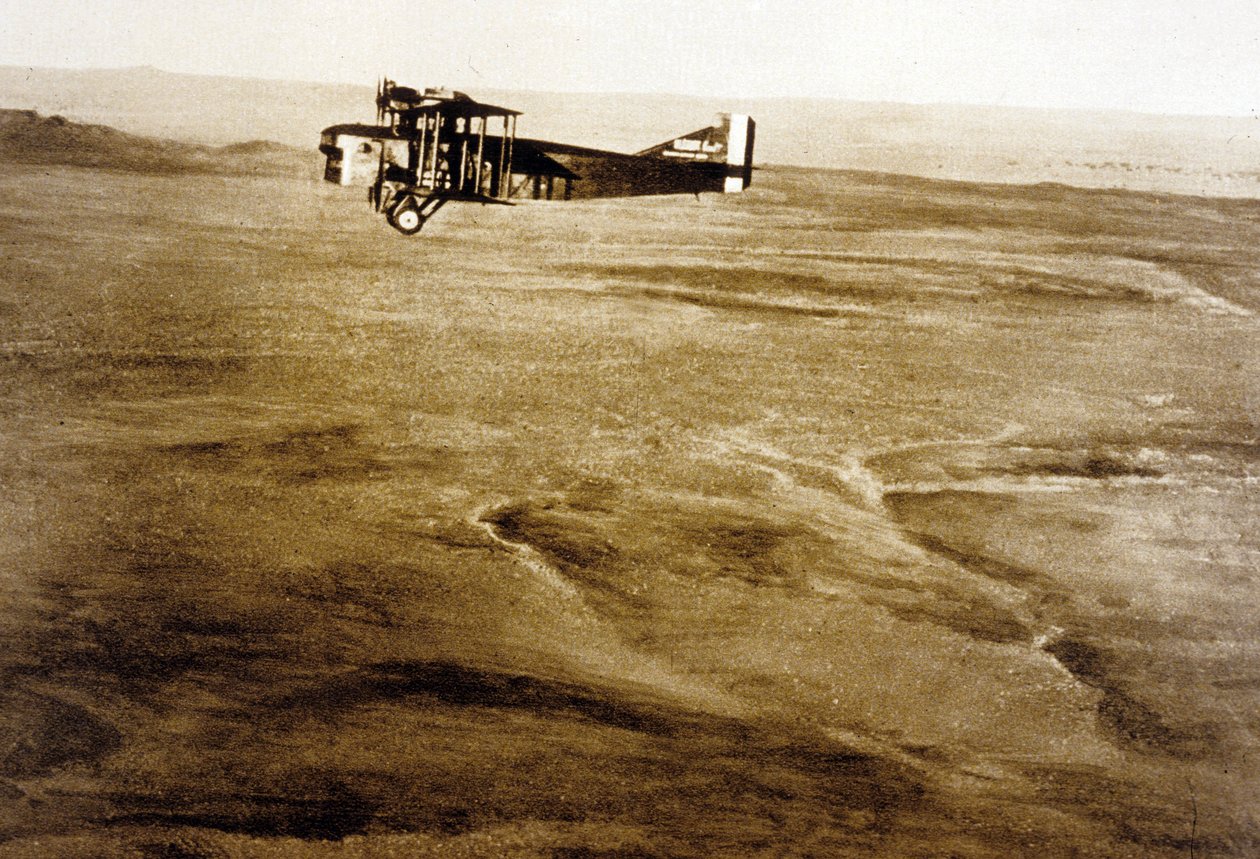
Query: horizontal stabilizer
column 729, row 142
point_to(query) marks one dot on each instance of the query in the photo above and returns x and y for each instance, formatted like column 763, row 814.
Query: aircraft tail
column 729, row 142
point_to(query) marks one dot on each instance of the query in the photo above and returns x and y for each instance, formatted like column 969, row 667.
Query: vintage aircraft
column 432, row 147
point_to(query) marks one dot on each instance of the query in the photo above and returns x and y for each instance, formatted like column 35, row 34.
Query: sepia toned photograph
column 573, row 429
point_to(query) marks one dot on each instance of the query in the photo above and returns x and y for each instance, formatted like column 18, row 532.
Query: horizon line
column 694, row 96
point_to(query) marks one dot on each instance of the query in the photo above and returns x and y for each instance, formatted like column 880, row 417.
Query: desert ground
column 855, row 515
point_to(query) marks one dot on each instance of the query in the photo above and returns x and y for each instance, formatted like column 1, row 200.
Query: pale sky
column 1159, row 56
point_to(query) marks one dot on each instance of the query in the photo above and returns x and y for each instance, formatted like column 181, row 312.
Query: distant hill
column 26, row 136
column 1198, row 155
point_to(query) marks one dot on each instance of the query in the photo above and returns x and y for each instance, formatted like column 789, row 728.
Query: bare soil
column 856, row 515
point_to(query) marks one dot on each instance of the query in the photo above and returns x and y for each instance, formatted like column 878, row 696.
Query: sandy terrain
column 855, row 515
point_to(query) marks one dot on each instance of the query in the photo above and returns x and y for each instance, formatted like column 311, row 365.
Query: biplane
column 432, row 147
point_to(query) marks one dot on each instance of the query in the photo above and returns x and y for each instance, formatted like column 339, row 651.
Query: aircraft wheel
column 406, row 217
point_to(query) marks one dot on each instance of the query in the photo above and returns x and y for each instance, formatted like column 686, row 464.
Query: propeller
column 380, row 104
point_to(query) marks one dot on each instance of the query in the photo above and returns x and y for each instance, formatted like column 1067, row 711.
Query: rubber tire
column 405, row 217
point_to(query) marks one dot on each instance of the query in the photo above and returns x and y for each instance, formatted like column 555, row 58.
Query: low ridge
column 28, row 137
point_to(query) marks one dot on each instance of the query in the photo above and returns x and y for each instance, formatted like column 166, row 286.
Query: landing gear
column 405, row 216
column 409, row 213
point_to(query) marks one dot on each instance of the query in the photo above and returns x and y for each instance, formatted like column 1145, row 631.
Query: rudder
column 741, row 137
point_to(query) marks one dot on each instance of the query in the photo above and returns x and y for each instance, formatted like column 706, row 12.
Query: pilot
column 448, row 167
column 448, row 151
